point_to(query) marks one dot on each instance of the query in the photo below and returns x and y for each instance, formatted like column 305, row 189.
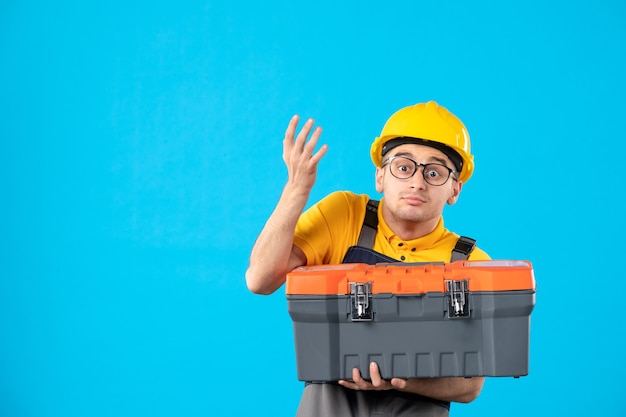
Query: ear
column 380, row 175
column 456, row 191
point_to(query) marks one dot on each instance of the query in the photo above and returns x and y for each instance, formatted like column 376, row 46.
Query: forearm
column 463, row 390
column 272, row 256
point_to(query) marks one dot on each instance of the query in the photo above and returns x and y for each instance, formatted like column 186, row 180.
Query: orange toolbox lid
column 399, row 278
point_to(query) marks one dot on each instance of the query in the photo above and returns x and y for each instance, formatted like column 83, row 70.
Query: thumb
column 399, row 383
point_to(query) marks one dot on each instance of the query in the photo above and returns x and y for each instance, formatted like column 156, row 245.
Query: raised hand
column 299, row 153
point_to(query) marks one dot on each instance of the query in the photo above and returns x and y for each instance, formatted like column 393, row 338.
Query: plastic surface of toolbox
column 465, row 318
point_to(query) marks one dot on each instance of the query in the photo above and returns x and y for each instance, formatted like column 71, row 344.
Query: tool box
column 458, row 319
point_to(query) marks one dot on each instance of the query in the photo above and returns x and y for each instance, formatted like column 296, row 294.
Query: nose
column 417, row 181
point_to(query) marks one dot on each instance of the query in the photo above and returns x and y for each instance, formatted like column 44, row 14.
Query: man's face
column 413, row 200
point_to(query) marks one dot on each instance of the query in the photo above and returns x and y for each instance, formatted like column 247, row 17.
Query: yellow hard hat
column 432, row 125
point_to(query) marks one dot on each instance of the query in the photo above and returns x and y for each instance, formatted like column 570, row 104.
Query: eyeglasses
column 404, row 168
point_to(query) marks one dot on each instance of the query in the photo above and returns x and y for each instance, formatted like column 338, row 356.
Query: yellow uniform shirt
column 326, row 230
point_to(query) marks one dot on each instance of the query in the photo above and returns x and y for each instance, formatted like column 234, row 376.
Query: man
column 422, row 160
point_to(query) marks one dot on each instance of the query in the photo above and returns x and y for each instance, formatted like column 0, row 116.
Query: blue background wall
column 140, row 154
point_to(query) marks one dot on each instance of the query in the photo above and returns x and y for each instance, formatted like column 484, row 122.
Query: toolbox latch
column 457, row 292
column 361, row 301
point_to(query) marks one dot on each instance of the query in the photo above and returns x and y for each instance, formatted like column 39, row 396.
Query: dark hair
column 448, row 151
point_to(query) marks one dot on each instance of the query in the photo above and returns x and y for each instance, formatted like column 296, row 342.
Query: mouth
column 414, row 200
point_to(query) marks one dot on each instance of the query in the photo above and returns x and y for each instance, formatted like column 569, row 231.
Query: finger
column 304, row 133
column 399, row 383
column 317, row 132
column 289, row 135
column 309, row 156
column 357, row 383
column 290, row 132
column 356, row 376
column 310, row 146
column 348, row 384
column 291, row 127
column 319, row 154
column 360, row 383
column 377, row 380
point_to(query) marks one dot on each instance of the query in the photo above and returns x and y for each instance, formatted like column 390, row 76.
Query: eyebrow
column 430, row 160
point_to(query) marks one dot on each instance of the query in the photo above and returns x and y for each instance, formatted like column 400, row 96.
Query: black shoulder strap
column 464, row 246
column 370, row 225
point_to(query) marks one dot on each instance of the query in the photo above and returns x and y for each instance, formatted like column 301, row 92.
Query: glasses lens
column 402, row 168
column 436, row 174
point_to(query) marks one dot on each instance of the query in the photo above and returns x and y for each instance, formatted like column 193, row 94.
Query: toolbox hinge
column 458, row 298
column 361, row 301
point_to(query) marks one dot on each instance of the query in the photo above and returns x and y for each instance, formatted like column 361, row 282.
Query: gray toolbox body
column 451, row 333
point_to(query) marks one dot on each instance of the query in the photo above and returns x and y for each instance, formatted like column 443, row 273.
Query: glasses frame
column 417, row 165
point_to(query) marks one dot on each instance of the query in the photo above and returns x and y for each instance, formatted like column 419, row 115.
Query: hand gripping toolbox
column 465, row 318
